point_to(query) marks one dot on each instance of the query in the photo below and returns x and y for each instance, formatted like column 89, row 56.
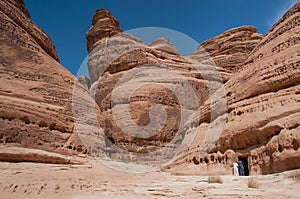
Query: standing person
column 241, row 168
column 235, row 169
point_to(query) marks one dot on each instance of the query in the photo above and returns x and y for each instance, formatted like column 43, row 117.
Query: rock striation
column 164, row 44
column 37, row 39
column 230, row 49
column 104, row 25
column 262, row 88
column 262, row 119
column 18, row 154
column 129, row 76
column 35, row 90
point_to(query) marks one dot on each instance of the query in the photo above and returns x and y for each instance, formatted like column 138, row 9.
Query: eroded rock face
column 231, row 49
column 104, row 25
column 18, row 154
column 35, row 90
column 85, row 82
column 262, row 120
column 249, row 95
column 36, row 39
column 130, row 77
column 164, row 44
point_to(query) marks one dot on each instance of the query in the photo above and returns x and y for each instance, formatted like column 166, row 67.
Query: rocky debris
column 262, row 119
column 35, row 90
column 230, row 49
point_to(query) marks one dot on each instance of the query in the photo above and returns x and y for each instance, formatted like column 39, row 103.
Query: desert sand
column 96, row 180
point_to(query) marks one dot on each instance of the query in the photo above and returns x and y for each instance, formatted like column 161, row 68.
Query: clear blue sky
column 67, row 21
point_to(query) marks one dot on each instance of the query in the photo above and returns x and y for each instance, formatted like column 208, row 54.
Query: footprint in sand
column 56, row 188
column 15, row 188
column 43, row 187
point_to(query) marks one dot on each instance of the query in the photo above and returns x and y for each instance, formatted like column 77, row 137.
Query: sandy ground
column 95, row 180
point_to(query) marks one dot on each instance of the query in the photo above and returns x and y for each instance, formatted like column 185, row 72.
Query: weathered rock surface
column 104, row 25
column 124, row 60
column 164, row 44
column 129, row 77
column 262, row 120
column 35, row 39
column 18, row 154
column 35, row 90
column 85, row 82
column 230, row 49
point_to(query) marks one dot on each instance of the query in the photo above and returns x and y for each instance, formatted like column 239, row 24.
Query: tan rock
column 85, row 82
column 104, row 25
column 18, row 154
column 231, row 49
column 129, row 78
column 35, row 38
column 35, row 90
column 262, row 120
column 165, row 45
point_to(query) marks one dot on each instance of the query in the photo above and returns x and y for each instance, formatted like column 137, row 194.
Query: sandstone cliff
column 129, row 78
column 35, row 90
column 262, row 119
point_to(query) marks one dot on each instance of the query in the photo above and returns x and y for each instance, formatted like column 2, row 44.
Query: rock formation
column 130, row 77
column 35, row 90
column 231, row 49
column 262, row 119
column 104, row 25
column 165, row 45
column 263, row 89
column 37, row 39
column 18, row 154
column 148, row 98
column 85, row 82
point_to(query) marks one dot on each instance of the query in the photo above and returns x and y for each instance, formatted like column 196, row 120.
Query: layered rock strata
column 35, row 90
column 230, row 49
column 262, row 119
column 130, row 78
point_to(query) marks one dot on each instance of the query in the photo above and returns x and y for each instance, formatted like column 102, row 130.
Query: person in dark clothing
column 241, row 168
